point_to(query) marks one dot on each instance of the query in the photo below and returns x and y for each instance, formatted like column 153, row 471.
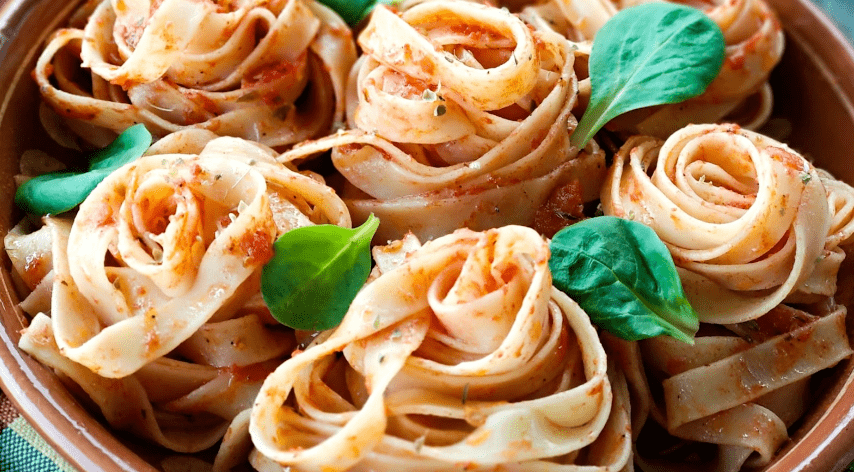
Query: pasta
column 747, row 222
column 459, row 352
column 447, row 132
column 113, row 324
column 448, row 362
column 210, row 71
column 744, row 214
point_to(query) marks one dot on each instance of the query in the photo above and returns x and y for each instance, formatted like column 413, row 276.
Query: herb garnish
column 623, row 276
column 651, row 54
column 316, row 272
column 58, row 192
column 354, row 11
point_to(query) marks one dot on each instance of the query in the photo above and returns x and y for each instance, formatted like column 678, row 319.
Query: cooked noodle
column 152, row 290
column 457, row 129
column 740, row 93
column 272, row 72
column 462, row 356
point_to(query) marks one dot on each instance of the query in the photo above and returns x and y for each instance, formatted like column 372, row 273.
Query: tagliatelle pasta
column 272, row 72
column 740, row 93
column 460, row 116
column 153, row 289
column 744, row 216
column 747, row 222
column 183, row 269
column 462, row 356
column 738, row 393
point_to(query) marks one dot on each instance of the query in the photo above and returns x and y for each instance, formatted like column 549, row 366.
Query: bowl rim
column 89, row 446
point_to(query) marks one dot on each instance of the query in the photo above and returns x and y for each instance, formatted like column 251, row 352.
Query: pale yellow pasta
column 453, row 127
column 745, row 217
column 463, row 355
column 741, row 393
column 148, row 299
column 740, row 93
column 462, row 122
column 212, row 70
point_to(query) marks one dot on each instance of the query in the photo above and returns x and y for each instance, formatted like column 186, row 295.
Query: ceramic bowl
column 814, row 91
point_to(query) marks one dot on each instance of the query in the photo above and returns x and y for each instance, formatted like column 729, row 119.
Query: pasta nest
column 271, row 72
column 186, row 232
column 153, row 289
column 460, row 116
column 745, row 217
column 740, row 93
column 461, row 355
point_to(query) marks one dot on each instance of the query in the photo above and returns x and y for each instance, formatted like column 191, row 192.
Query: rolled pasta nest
column 461, row 356
column 271, row 72
column 740, row 93
column 153, row 288
column 452, row 129
column 758, row 235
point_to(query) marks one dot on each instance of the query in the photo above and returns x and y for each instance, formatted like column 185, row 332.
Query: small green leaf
column 127, row 147
column 354, row 11
column 58, row 192
column 651, row 54
column 623, row 276
column 316, row 272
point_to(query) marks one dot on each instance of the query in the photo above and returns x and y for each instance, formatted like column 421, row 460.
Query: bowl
column 814, row 92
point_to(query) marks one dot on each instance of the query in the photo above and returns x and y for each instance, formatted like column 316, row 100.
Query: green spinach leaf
column 354, row 11
column 652, row 54
column 623, row 276
column 58, row 192
column 316, row 272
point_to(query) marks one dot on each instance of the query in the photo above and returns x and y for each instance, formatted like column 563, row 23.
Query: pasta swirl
column 207, row 70
column 744, row 216
column 462, row 356
column 155, row 310
column 452, row 127
column 187, row 232
column 457, row 110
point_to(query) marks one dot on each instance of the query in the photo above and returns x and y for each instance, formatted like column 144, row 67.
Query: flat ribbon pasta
column 237, row 70
column 840, row 199
column 578, row 20
column 744, row 217
column 155, row 310
column 182, row 405
column 822, row 283
column 186, row 233
column 461, row 116
column 31, row 254
column 462, row 356
column 740, row 393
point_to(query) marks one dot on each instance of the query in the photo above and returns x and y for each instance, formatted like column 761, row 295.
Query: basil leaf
column 128, row 146
column 354, row 11
column 58, row 192
column 623, row 276
column 316, row 272
column 651, row 54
